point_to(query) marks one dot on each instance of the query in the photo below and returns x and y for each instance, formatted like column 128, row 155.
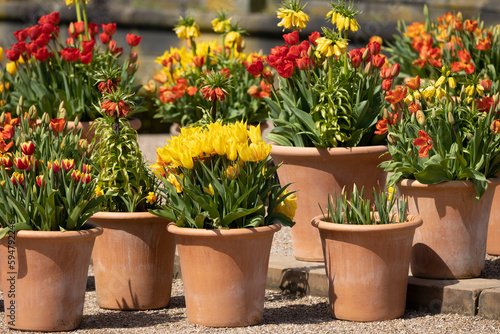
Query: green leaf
column 432, row 174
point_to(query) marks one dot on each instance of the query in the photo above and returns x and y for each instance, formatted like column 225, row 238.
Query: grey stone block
column 447, row 296
column 489, row 304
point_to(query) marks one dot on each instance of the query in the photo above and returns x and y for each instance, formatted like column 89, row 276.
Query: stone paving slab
column 469, row 297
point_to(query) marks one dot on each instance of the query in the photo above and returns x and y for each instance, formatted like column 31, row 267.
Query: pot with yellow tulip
column 226, row 204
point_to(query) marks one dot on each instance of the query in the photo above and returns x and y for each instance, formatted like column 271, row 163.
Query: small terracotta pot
column 224, row 273
column 451, row 243
column 133, row 261
column 367, row 268
column 135, row 123
column 45, row 284
column 316, row 173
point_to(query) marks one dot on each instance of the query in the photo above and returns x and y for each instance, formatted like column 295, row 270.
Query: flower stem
column 214, row 110
column 117, row 126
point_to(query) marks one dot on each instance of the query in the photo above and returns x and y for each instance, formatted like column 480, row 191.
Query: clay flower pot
column 133, row 261
column 44, row 277
column 316, row 173
column 451, row 243
column 493, row 238
column 224, row 273
column 367, row 268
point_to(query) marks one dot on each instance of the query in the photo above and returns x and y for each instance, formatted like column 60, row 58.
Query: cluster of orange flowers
column 447, row 36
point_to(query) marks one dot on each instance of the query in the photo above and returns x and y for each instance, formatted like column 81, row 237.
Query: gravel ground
column 282, row 313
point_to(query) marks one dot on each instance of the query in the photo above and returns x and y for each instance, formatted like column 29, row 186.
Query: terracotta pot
column 133, row 261
column 317, row 172
column 493, row 238
column 47, row 281
column 367, row 268
column 451, row 243
column 224, row 273
column 89, row 134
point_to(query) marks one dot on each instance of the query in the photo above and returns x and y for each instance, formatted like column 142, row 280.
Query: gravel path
column 282, row 314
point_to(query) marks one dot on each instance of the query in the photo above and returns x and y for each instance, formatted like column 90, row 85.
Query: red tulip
column 133, row 40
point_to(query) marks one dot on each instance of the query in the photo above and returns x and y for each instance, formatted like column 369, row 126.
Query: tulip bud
column 420, row 117
column 433, row 114
column 2, row 118
column 82, row 146
column 392, row 138
column 368, row 68
column 495, row 127
column 32, row 112
column 71, row 28
column 76, row 122
column 21, row 101
column 366, row 54
column 495, row 97
column 451, row 119
column 46, row 118
column 131, row 69
column 395, row 70
column 133, row 57
column 63, row 114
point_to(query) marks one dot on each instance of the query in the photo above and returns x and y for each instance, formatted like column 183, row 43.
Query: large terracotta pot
column 493, row 238
column 316, row 173
column 224, row 273
column 367, row 268
column 451, row 243
column 44, row 278
column 89, row 134
column 133, row 261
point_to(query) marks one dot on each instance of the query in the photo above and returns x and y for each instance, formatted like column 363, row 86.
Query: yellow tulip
column 209, row 190
column 1, row 53
column 288, row 205
column 232, row 150
column 186, row 160
column 255, row 134
column 172, row 178
column 232, row 172
column 11, row 68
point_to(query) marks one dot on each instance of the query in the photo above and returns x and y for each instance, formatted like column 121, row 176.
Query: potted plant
column 226, row 204
column 367, row 249
column 47, row 195
column 176, row 89
column 325, row 112
column 46, row 70
column 444, row 158
column 133, row 262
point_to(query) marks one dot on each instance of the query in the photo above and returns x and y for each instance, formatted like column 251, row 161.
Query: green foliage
column 123, row 176
column 353, row 208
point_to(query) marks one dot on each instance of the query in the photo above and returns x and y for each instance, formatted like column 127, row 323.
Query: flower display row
column 365, row 136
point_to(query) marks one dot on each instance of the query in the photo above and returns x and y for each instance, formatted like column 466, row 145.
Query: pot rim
column 88, row 230
column 338, row 151
column 411, row 223
column 446, row 184
column 209, row 233
column 126, row 215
